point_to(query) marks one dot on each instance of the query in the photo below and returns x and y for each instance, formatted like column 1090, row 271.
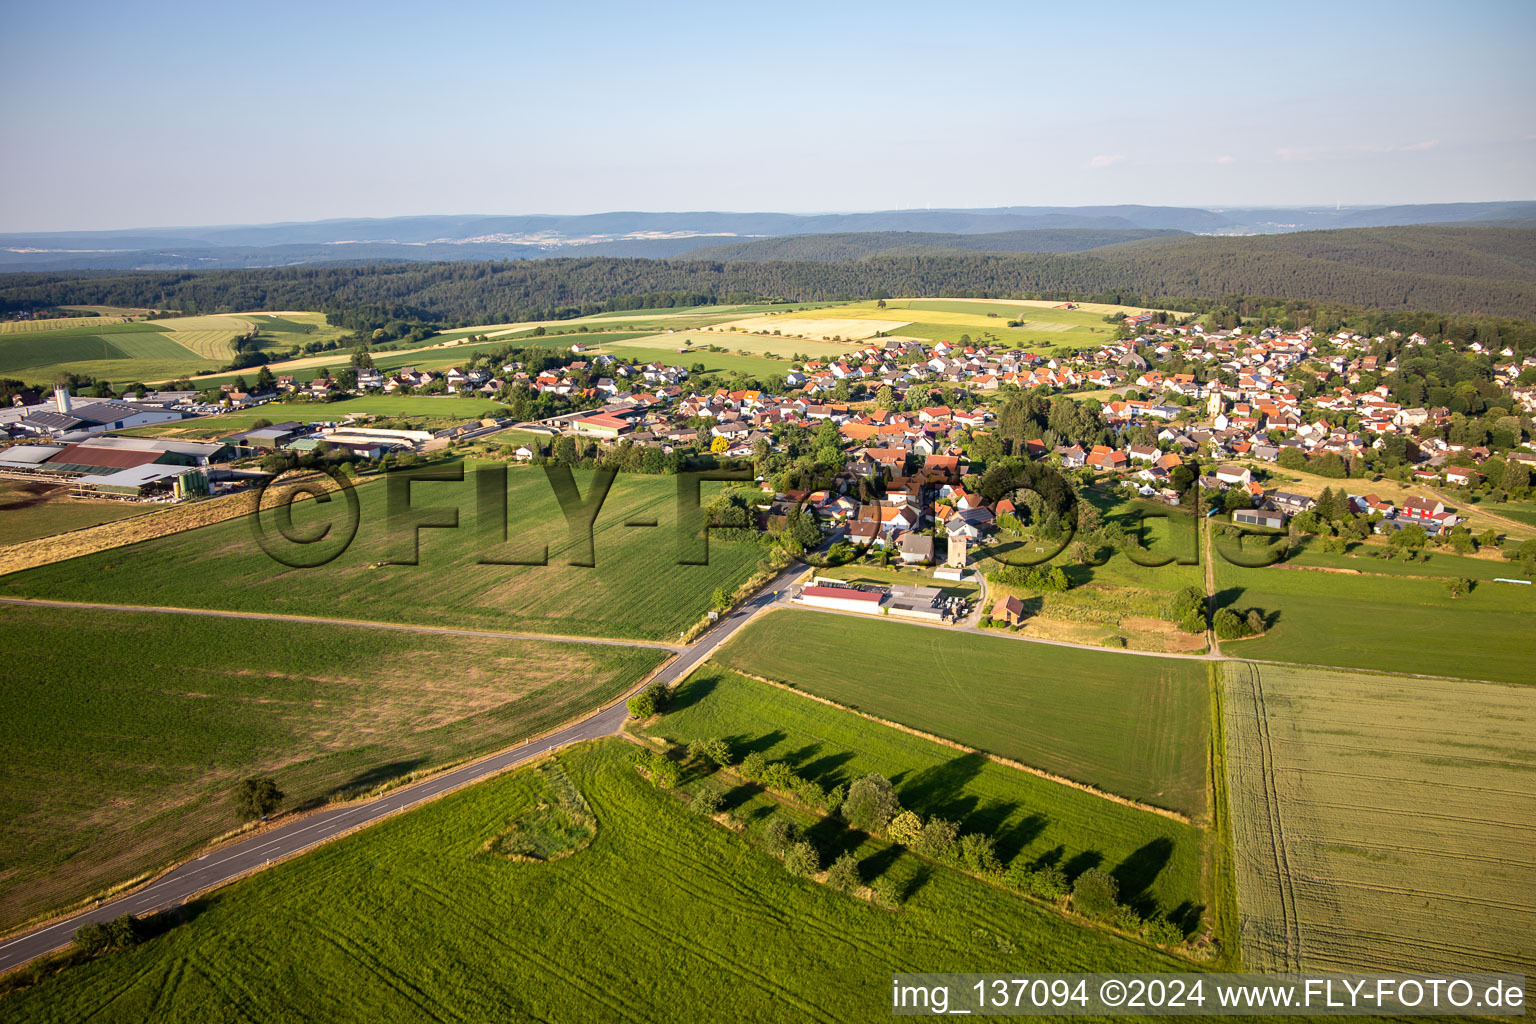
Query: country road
column 230, row 861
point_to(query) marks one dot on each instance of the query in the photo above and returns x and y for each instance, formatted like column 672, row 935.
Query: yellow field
column 1381, row 823
column 57, row 324
column 850, row 326
column 210, row 337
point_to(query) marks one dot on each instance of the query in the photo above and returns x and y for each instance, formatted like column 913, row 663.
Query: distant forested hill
column 1461, row 270
column 861, row 244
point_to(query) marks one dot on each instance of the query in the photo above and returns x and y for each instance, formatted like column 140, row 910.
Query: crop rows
column 1381, row 822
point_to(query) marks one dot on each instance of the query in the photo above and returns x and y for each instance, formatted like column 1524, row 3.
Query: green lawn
column 122, row 738
column 1384, row 622
column 665, row 916
column 636, row 590
column 1156, row 858
column 40, row 509
column 1128, row 724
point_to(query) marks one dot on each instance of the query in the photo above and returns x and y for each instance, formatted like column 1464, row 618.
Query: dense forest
column 1455, row 270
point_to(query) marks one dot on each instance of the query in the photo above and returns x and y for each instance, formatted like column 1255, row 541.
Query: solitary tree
column 258, row 797
column 871, row 803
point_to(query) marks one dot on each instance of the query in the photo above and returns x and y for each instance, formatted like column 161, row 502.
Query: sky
column 160, row 114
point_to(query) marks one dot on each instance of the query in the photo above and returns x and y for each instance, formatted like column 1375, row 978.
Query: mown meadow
column 1385, row 620
column 126, row 731
column 636, row 589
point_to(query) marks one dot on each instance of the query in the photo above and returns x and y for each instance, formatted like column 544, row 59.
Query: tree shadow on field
column 938, row 790
column 1138, row 871
column 1228, row 597
column 741, row 746
column 1186, row 916
column 691, row 692
column 365, row 782
column 878, row 863
column 832, row 838
column 1082, row 862
column 917, row 881
column 156, row 925
column 825, row 771
column 734, row 797
column 1013, row 839
column 1050, row 858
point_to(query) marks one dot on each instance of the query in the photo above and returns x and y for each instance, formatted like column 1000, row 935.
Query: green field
column 1156, row 858
column 636, row 590
column 1044, row 327
column 1118, row 598
column 1381, row 823
column 449, row 408
column 1127, row 724
column 40, row 509
column 1386, row 623
column 665, row 916
column 122, row 738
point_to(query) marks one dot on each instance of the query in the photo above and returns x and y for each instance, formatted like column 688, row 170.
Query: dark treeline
column 1324, row 271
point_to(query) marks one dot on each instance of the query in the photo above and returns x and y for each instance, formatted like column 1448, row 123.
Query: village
column 898, row 426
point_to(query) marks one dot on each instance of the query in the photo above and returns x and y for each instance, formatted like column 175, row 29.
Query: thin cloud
column 1226, row 158
column 1325, row 152
column 1106, row 160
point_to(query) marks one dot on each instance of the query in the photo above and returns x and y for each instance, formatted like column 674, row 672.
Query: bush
column 664, row 771
column 779, row 834
column 906, row 828
column 938, row 839
column 1048, row 883
column 752, row 766
column 708, row 802
column 887, row 892
column 843, row 875
column 977, row 854
column 1095, row 894
column 1127, row 920
column 717, row 751
column 109, row 936
column 778, row 775
column 871, row 803
column 257, row 797
column 1160, row 931
column 1189, row 610
column 1228, row 626
column 802, row 859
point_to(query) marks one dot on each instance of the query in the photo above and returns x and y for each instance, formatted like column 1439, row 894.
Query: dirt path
column 559, row 638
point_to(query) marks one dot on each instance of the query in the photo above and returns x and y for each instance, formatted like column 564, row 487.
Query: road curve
column 231, row 861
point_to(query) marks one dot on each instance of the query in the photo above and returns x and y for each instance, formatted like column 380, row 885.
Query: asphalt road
column 233, row 860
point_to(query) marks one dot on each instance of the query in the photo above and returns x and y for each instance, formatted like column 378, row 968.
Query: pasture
column 114, row 349
column 414, row 919
column 33, row 509
column 1115, row 600
column 448, row 408
column 1156, row 859
column 1131, row 725
column 1384, row 622
column 1381, row 823
column 126, row 731
column 636, row 589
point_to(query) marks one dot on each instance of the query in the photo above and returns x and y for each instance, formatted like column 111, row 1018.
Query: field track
column 360, row 623
column 256, row 852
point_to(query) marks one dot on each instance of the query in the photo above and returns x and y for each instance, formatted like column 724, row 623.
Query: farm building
column 843, row 599
column 1268, row 518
